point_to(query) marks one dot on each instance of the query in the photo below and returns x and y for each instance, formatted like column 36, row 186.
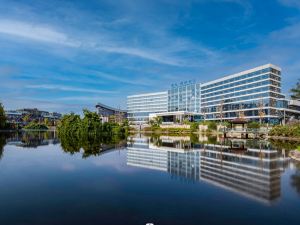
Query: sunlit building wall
column 254, row 94
column 139, row 106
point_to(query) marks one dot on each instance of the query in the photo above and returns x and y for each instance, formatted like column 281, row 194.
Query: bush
column 212, row 125
column 194, row 126
column 226, row 124
column 253, row 125
column 36, row 126
column 285, row 131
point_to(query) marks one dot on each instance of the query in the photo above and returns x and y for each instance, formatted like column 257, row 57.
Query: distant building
column 108, row 113
column 31, row 114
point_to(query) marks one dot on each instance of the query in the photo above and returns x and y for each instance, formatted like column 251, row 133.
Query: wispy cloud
column 104, row 42
column 126, row 80
column 290, row 3
column 35, row 32
column 137, row 46
column 69, row 88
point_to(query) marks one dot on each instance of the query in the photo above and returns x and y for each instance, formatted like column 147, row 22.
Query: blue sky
column 68, row 55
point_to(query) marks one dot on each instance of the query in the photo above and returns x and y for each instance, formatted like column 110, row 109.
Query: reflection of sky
column 47, row 186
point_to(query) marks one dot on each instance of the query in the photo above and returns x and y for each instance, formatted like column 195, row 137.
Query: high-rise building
column 254, row 94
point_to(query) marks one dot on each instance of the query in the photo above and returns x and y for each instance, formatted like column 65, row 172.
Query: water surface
column 163, row 180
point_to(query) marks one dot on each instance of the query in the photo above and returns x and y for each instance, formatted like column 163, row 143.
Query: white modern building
column 253, row 94
column 140, row 106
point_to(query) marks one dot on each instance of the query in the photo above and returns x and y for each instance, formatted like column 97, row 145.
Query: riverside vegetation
column 290, row 131
column 89, row 133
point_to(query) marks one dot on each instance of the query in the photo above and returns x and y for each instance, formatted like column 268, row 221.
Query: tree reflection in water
column 90, row 144
column 295, row 178
column 2, row 144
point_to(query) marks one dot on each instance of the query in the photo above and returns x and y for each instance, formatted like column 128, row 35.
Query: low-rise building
column 27, row 115
column 108, row 113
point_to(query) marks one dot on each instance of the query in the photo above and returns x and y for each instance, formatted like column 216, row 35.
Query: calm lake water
column 160, row 180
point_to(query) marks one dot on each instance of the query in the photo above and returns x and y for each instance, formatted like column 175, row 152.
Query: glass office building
column 139, row 106
column 254, row 94
column 184, row 96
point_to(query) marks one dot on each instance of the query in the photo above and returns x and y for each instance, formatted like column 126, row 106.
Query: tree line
column 89, row 133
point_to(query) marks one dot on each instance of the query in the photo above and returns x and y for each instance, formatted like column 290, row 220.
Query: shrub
column 212, row 125
column 36, row 126
column 285, row 131
column 194, row 126
column 253, row 125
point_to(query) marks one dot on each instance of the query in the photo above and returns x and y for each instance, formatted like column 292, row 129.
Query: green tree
column 2, row 117
column 158, row 120
column 253, row 125
column 155, row 123
column 26, row 118
column 91, row 123
column 46, row 122
column 296, row 91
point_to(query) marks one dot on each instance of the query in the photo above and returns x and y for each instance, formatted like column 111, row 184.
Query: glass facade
column 253, row 94
column 184, row 97
column 139, row 106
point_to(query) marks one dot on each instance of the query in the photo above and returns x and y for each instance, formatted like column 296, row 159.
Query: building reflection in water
column 32, row 139
column 252, row 169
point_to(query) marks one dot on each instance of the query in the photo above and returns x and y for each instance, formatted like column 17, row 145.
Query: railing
column 245, row 130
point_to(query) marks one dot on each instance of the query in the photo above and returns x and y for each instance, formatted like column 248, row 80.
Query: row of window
column 187, row 88
column 249, row 105
column 232, row 95
column 235, row 89
column 243, row 82
column 255, row 73
column 248, row 113
column 244, row 98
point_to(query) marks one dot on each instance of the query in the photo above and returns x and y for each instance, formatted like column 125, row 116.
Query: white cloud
column 35, row 32
column 105, row 42
column 68, row 88
column 291, row 3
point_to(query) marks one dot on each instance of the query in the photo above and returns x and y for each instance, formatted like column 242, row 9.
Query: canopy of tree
column 88, row 133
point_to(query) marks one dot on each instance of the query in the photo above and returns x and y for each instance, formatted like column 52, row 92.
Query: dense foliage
column 36, row 126
column 211, row 125
column 90, row 125
column 194, row 126
column 156, row 122
column 253, row 125
column 292, row 130
column 287, row 145
column 2, row 117
column 88, row 133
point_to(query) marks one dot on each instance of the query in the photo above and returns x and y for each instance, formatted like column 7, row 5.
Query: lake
column 139, row 180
